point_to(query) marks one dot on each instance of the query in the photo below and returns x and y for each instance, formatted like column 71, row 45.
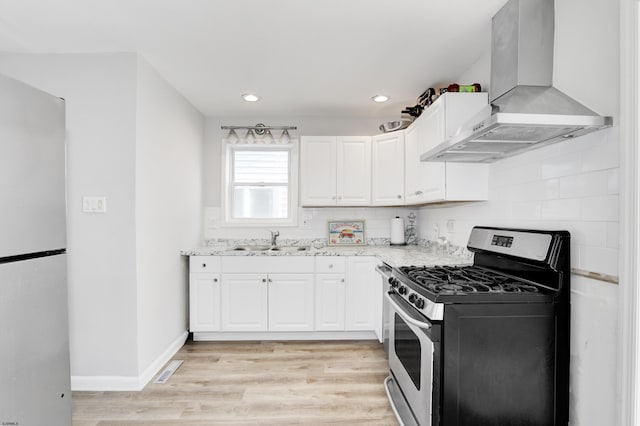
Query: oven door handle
column 401, row 311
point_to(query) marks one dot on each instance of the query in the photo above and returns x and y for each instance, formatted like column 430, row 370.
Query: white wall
column 571, row 185
column 312, row 221
column 133, row 139
column 100, row 105
column 169, row 137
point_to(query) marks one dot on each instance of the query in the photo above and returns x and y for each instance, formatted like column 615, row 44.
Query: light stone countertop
column 392, row 255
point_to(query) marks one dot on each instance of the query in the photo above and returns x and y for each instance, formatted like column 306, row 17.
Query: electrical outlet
column 94, row 204
column 451, row 225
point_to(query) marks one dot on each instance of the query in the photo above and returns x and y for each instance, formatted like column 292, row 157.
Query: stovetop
column 465, row 279
column 468, row 284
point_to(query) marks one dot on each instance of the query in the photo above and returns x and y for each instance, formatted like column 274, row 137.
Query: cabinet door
column 388, row 169
column 424, row 181
column 290, row 302
column 244, row 302
column 204, row 302
column 353, row 170
column 329, row 302
column 361, row 293
column 432, row 121
column 318, row 171
column 411, row 164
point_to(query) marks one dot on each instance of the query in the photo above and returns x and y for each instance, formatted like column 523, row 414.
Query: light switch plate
column 94, row 204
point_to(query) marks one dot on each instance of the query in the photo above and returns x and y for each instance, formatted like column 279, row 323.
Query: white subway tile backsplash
column 575, row 255
column 520, row 173
column 603, row 154
column 613, row 181
column 564, row 165
column 612, row 235
column 602, row 208
column 589, row 233
column 502, row 192
column 526, row 210
column 568, row 209
column 584, row 185
column 599, row 259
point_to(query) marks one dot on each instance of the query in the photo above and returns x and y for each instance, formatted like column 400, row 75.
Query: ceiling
column 303, row 57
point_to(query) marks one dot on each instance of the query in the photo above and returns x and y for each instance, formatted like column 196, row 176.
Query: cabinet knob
column 342, row 280
column 204, row 265
column 399, row 196
column 264, row 280
column 215, row 280
column 340, row 198
column 333, row 198
column 418, row 192
column 270, row 280
column 330, row 265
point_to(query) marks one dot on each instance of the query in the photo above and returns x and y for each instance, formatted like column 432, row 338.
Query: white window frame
column 227, row 219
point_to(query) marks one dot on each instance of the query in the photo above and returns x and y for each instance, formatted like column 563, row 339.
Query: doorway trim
column 629, row 294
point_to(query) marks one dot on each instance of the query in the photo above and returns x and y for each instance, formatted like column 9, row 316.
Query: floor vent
column 168, row 372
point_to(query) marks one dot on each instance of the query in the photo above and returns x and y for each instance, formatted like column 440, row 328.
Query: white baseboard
column 128, row 383
column 271, row 335
column 160, row 361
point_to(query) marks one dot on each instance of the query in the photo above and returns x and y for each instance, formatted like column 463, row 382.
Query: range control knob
column 394, row 282
column 419, row 303
column 402, row 290
column 413, row 297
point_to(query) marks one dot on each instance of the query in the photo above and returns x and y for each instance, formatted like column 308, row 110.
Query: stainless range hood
column 525, row 111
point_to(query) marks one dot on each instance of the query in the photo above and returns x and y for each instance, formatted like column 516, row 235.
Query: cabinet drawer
column 330, row 264
column 204, row 264
column 268, row 264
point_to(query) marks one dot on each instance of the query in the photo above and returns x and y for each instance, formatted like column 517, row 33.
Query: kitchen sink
column 290, row 248
column 268, row 248
column 249, row 248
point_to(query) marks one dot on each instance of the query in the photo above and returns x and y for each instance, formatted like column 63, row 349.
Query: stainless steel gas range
column 483, row 344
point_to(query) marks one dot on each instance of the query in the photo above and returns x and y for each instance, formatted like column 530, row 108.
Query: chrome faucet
column 274, row 236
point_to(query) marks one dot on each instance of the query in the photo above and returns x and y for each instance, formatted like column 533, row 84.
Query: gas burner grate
column 516, row 287
column 463, row 280
column 454, row 288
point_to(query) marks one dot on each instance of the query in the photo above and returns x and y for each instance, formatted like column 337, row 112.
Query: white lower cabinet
column 290, row 302
column 330, row 293
column 244, row 302
column 265, row 294
column 267, row 302
column 361, row 297
column 204, row 301
column 204, row 293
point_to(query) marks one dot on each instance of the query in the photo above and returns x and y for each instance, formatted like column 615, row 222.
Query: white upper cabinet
column 354, row 170
column 387, row 187
column 318, row 171
column 432, row 182
column 335, row 171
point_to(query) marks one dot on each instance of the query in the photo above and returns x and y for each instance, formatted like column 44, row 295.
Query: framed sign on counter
column 346, row 232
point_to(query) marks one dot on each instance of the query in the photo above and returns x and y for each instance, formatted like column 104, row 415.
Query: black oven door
column 414, row 360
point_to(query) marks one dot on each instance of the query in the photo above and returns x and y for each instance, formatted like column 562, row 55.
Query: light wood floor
column 245, row 383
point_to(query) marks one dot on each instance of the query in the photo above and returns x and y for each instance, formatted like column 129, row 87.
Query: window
column 260, row 185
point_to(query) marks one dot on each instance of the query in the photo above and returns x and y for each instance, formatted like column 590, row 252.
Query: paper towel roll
column 397, row 230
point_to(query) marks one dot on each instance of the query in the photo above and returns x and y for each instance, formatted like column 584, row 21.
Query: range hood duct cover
column 525, row 111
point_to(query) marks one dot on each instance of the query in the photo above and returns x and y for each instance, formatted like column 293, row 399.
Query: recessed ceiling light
column 250, row 97
column 380, row 98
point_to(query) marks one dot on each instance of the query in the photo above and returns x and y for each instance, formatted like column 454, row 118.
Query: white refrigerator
column 34, row 330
